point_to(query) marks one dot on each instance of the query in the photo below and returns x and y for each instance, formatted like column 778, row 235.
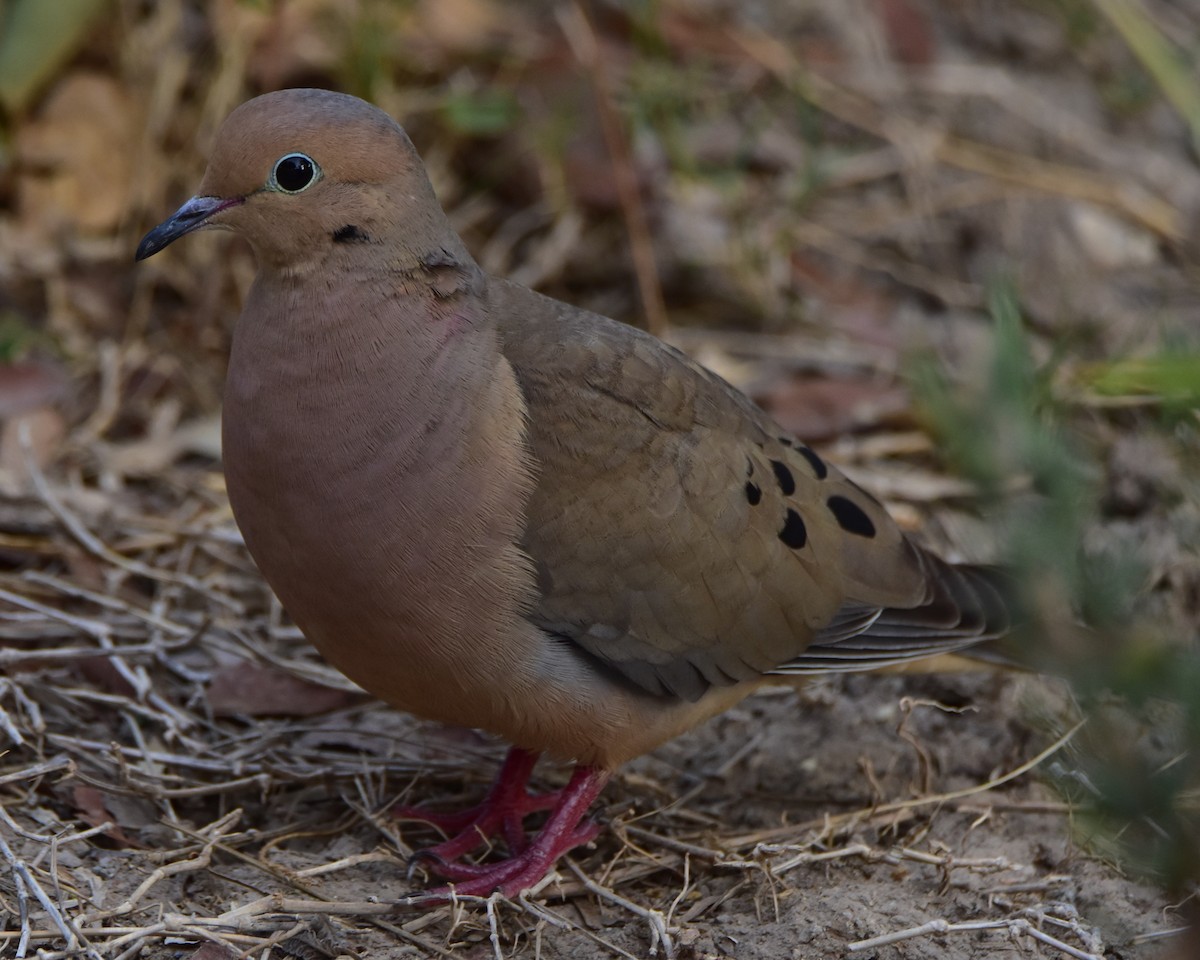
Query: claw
column 502, row 813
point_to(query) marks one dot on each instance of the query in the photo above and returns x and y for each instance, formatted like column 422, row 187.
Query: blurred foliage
column 368, row 60
column 1079, row 18
column 1136, row 773
column 1162, row 59
column 1160, row 63
column 1174, row 378
column 36, row 38
column 1014, row 407
column 16, row 336
column 480, row 113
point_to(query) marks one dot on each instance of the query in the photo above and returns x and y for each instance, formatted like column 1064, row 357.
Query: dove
column 493, row 509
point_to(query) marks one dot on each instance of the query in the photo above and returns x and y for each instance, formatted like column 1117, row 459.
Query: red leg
column 562, row 832
column 502, row 812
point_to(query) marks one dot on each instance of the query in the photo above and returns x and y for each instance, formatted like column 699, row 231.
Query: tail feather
column 965, row 606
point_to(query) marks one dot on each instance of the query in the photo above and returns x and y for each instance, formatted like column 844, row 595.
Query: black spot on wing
column 850, row 516
column 753, row 493
column 787, row 483
column 794, row 534
column 814, row 461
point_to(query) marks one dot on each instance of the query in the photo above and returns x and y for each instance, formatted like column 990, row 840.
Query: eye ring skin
column 294, row 173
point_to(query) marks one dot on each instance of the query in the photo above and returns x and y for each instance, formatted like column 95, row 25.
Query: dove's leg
column 502, row 812
column 563, row 831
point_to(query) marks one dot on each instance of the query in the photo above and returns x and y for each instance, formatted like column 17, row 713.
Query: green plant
column 1135, row 773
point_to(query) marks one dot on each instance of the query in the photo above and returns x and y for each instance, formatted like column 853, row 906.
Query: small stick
column 659, row 934
column 1015, row 926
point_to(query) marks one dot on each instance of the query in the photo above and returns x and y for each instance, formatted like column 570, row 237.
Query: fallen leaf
column 816, row 409
column 101, row 674
column 461, row 27
column 31, row 428
column 34, row 436
column 908, row 30
column 213, row 951
column 75, row 159
column 851, row 306
column 91, row 804
column 29, row 385
column 251, row 689
column 290, row 41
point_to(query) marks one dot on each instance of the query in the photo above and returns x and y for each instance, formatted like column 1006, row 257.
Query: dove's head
column 300, row 173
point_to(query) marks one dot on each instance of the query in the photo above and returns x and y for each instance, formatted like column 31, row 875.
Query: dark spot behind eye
column 350, row 234
column 749, row 467
column 850, row 516
column 794, row 534
column 753, row 493
column 814, row 461
column 786, row 441
column 787, row 483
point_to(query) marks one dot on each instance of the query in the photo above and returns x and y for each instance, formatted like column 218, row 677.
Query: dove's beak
column 193, row 215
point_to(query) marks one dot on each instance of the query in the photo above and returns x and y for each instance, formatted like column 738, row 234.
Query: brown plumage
column 494, row 509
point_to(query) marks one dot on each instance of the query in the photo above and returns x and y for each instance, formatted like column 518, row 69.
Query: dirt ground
column 796, row 825
column 811, row 197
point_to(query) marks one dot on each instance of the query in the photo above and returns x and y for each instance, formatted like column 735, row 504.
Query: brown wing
column 679, row 535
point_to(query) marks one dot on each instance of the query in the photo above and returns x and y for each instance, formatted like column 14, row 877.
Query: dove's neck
column 411, row 341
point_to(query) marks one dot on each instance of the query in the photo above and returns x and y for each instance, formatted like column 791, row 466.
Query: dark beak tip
column 191, row 216
column 147, row 248
column 160, row 237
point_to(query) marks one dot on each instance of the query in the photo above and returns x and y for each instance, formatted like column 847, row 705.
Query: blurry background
column 953, row 245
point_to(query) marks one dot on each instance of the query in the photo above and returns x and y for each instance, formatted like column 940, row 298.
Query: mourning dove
column 493, row 509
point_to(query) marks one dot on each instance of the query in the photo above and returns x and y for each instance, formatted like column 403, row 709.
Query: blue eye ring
column 294, row 173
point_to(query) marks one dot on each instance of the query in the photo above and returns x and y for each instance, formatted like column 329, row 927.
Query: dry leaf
column 291, row 41
column 815, row 409
column 463, row 26
column 103, row 675
column 28, row 393
column 75, row 158
column 251, row 689
column 853, row 307
column 908, row 30
column 92, row 806
column 213, row 951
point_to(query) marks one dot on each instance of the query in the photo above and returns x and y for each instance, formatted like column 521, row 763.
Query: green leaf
column 1174, row 377
column 1161, row 57
column 36, row 38
column 480, row 113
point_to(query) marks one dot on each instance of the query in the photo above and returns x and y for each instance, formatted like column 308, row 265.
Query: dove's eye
column 295, row 172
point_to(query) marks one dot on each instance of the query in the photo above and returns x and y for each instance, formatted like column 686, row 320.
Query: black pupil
column 294, row 173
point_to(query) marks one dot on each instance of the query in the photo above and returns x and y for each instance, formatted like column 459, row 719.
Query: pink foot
column 502, row 812
column 528, row 864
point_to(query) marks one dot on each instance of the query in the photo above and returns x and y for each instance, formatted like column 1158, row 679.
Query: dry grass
column 248, row 832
